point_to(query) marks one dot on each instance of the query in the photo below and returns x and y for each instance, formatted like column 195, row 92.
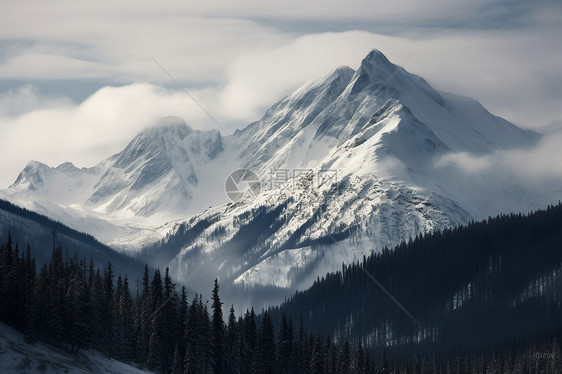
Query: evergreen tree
column 177, row 365
column 285, row 343
column 97, row 310
column 144, row 318
column 206, row 363
column 343, row 358
column 156, row 357
column 218, row 332
column 183, row 317
column 126, row 311
column 30, row 326
column 233, row 364
column 298, row 354
column 172, row 324
column 357, row 360
column 192, row 331
column 265, row 357
column 248, row 341
column 317, row 357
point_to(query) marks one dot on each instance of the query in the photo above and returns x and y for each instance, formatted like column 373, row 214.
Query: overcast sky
column 77, row 80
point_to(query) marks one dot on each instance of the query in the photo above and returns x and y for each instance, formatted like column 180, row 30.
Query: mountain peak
column 376, row 56
column 375, row 68
column 167, row 125
column 32, row 176
column 376, row 63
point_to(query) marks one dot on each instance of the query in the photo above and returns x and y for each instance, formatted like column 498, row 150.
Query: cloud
column 25, row 98
column 239, row 58
column 88, row 132
column 258, row 78
column 538, row 168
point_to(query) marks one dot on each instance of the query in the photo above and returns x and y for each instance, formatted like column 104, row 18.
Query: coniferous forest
column 481, row 299
column 71, row 304
column 491, row 287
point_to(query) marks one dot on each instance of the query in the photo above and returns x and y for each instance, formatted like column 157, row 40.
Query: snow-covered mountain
column 164, row 173
column 349, row 163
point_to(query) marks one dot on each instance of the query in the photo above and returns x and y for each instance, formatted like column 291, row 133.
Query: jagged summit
column 167, row 124
column 32, row 176
column 67, row 166
column 380, row 129
column 377, row 60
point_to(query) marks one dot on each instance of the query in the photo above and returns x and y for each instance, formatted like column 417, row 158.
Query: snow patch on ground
column 17, row 356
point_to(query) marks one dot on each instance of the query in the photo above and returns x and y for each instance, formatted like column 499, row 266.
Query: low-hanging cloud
column 237, row 59
column 538, row 168
column 86, row 133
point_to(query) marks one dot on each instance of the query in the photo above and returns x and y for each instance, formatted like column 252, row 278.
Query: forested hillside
column 28, row 227
column 72, row 304
column 484, row 298
column 491, row 284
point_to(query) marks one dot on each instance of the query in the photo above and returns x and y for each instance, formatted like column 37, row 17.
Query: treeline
column 72, row 304
column 495, row 284
column 538, row 359
column 35, row 229
column 53, row 225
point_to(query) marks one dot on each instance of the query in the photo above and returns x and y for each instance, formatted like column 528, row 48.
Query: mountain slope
column 20, row 223
column 468, row 289
column 17, row 356
column 349, row 160
column 164, row 173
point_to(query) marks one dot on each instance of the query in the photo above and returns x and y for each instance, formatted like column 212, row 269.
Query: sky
column 79, row 79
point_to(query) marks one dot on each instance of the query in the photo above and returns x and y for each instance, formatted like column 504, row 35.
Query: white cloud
column 15, row 102
column 92, row 130
column 244, row 56
column 538, row 168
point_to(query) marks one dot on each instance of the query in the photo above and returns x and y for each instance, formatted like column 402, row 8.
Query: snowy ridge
column 366, row 145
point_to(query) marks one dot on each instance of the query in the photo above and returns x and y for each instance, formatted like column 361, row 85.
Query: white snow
column 17, row 356
column 381, row 133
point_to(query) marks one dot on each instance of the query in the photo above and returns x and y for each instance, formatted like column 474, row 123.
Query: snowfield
column 17, row 356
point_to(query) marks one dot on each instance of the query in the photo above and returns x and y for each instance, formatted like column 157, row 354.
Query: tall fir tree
column 233, row 344
column 217, row 332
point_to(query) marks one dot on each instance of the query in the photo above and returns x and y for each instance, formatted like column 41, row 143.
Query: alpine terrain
column 349, row 163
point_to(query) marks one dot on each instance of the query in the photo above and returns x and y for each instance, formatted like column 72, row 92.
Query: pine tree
column 183, row 316
column 344, row 358
column 156, row 358
column 144, row 317
column 284, row 346
column 177, row 365
column 172, row 324
column 107, row 322
column 119, row 338
column 298, row 355
column 265, row 358
column 30, row 326
column 357, row 360
column 206, row 363
column 97, row 310
column 55, row 287
column 77, row 306
column 317, row 358
column 218, row 332
column 192, row 337
column 126, row 320
column 233, row 344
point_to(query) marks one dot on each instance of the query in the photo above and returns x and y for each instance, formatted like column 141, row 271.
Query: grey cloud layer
column 238, row 58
